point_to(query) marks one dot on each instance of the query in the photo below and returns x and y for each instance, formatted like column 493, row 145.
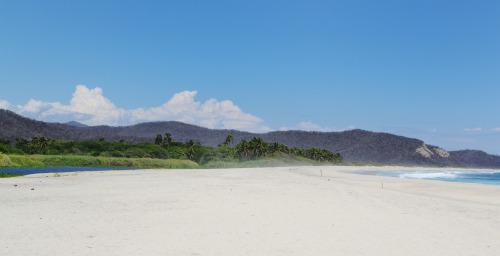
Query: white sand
column 267, row 211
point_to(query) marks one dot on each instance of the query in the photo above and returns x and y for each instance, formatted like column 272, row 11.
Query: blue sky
column 423, row 69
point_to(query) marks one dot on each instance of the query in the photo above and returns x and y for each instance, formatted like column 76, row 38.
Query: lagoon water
column 27, row 171
column 490, row 177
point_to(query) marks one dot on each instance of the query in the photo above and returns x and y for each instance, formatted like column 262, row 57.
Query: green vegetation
column 8, row 175
column 40, row 161
column 258, row 149
column 163, row 152
column 276, row 160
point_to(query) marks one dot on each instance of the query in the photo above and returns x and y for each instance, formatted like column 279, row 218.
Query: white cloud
column 473, row 129
column 4, row 104
column 90, row 107
column 496, row 129
column 434, row 130
column 309, row 126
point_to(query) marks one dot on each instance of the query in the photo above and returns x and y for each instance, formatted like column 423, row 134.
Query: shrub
column 159, row 153
column 76, row 151
column 116, row 153
column 176, row 152
column 135, row 153
column 5, row 160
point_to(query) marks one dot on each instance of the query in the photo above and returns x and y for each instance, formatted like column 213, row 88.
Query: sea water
column 490, row 177
column 27, row 171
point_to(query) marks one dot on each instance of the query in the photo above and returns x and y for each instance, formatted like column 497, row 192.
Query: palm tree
column 258, row 147
column 313, row 153
column 338, row 158
column 42, row 142
column 190, row 150
column 168, row 139
column 158, row 139
column 242, row 150
column 39, row 143
column 283, row 148
column 274, row 147
column 229, row 139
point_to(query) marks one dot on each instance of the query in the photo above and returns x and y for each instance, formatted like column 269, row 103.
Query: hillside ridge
column 354, row 145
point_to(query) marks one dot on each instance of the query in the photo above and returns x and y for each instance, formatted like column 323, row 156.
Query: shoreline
column 250, row 211
column 345, row 168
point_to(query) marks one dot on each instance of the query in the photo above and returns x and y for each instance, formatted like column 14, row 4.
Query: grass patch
column 269, row 161
column 40, row 161
column 8, row 175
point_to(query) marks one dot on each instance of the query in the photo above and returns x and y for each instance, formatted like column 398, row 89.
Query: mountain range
column 354, row 145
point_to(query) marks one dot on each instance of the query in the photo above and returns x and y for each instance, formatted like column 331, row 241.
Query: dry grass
column 5, row 160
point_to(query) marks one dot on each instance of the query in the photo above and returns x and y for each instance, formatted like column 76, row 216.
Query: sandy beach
column 261, row 211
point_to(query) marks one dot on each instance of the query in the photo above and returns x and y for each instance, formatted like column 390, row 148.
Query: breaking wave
column 473, row 176
column 431, row 175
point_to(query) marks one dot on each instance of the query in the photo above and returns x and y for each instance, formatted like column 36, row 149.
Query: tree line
column 257, row 147
column 164, row 147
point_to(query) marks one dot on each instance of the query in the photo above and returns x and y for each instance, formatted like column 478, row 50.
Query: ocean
column 489, row 177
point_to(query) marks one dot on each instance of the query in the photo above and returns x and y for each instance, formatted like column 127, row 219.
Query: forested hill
column 353, row 145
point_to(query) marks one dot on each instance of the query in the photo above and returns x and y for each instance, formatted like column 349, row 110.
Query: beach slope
column 261, row 211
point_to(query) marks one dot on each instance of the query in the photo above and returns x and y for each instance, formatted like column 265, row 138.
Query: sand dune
column 266, row 211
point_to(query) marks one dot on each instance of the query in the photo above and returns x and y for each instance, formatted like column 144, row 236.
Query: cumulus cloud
column 34, row 106
column 4, row 104
column 473, row 129
column 310, row 126
column 89, row 106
